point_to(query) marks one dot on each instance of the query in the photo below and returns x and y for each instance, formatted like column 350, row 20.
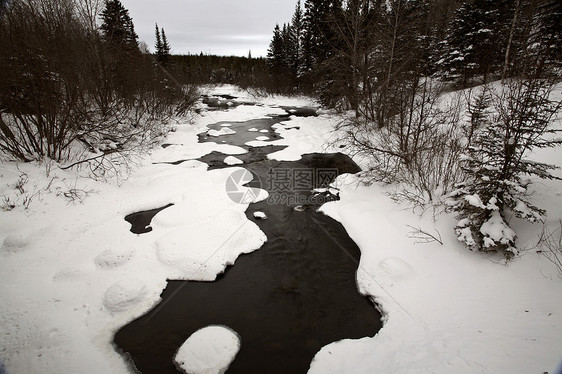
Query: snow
column 303, row 135
column 251, row 95
column 231, row 160
column 260, row 215
column 222, row 131
column 72, row 273
column 496, row 229
column 475, row 200
column 209, row 350
column 200, row 252
column 446, row 309
column 124, row 295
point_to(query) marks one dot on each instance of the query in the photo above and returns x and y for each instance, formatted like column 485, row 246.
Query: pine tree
column 295, row 41
column 496, row 168
column 476, row 42
column 165, row 47
column 162, row 46
column 158, row 44
column 276, row 52
column 319, row 38
column 547, row 38
column 117, row 26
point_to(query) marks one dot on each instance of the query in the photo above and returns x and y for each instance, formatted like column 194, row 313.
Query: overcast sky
column 221, row 27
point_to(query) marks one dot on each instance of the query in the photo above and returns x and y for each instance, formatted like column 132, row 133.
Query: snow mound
column 231, row 160
column 260, row 215
column 253, row 129
column 124, row 294
column 262, row 138
column 218, row 245
column 16, row 240
column 112, row 258
column 209, row 350
column 222, row 131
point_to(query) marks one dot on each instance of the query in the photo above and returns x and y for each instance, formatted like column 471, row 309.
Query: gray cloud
column 217, row 27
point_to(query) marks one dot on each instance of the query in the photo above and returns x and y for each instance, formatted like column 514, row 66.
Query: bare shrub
column 67, row 92
column 418, row 147
column 550, row 244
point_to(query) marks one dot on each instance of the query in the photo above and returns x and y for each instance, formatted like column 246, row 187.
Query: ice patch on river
column 304, row 135
column 222, row 131
column 200, row 251
column 209, row 350
column 231, row 160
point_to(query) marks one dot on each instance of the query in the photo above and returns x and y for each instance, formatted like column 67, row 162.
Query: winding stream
column 288, row 299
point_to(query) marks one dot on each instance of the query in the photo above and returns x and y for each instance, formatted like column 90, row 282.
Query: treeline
column 76, row 84
column 205, row 69
column 357, row 53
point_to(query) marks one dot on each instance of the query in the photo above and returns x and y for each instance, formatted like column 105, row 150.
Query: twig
column 424, row 237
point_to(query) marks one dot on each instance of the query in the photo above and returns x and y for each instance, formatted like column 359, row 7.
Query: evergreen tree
column 276, row 52
column 496, row 167
column 476, row 42
column 295, row 41
column 162, row 46
column 165, row 47
column 158, row 44
column 117, row 26
column 547, row 38
column 319, row 39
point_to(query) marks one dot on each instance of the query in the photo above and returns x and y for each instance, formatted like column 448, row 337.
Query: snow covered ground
column 72, row 273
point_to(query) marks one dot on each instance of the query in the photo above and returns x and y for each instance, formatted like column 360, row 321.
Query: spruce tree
column 295, row 41
column 276, row 52
column 162, row 46
column 506, row 129
column 158, row 44
column 165, row 47
column 117, row 26
column 476, row 42
column 547, row 37
column 318, row 37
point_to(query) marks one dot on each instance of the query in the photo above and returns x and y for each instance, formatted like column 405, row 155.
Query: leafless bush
column 419, row 146
column 62, row 85
column 550, row 246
